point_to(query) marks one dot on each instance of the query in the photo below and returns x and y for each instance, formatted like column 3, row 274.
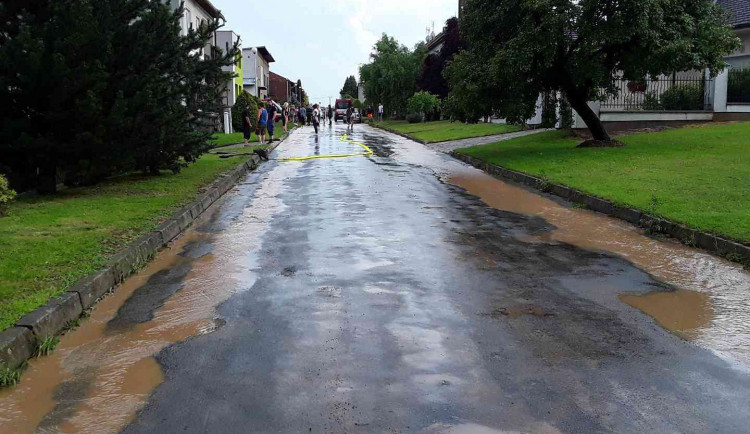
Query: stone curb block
column 168, row 230
column 19, row 342
column 93, row 287
column 16, row 345
column 49, row 319
column 687, row 235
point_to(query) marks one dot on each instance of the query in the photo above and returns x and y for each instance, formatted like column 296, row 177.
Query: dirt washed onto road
column 712, row 304
column 102, row 373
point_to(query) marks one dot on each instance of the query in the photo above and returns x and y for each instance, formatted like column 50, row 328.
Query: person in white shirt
column 380, row 112
column 316, row 117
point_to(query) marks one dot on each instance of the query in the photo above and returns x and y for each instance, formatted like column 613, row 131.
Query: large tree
column 580, row 47
column 96, row 88
column 350, row 87
column 391, row 76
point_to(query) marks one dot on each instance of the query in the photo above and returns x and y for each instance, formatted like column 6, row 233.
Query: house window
column 188, row 20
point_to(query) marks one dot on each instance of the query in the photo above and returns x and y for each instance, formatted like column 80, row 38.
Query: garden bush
column 683, row 97
column 414, row 118
column 244, row 100
column 6, row 195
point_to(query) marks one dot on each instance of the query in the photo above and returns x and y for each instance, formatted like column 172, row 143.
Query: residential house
column 435, row 43
column 734, row 103
column 226, row 40
column 197, row 13
column 257, row 72
column 280, row 88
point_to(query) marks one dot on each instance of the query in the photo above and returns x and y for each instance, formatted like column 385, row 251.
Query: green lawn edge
column 443, row 131
column 47, row 243
column 697, row 176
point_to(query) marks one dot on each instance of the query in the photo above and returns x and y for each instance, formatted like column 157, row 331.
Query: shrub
column 651, row 102
column 683, row 97
column 739, row 85
column 6, row 195
column 414, row 118
column 243, row 101
column 423, row 103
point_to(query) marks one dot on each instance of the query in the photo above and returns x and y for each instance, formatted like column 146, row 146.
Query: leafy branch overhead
column 517, row 49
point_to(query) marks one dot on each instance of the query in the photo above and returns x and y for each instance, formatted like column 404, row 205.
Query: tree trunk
column 590, row 118
column 46, row 180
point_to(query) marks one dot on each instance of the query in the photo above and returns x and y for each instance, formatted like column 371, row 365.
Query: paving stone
column 51, row 318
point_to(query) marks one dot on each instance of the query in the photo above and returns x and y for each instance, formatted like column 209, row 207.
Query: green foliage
column 248, row 102
column 6, row 195
column 682, row 97
column 350, row 87
column 9, row 377
column 566, row 114
column 358, row 104
column 98, row 88
column 414, row 118
column 521, row 48
column 431, row 77
column 46, row 346
column 391, row 76
column 651, row 101
column 739, row 84
column 422, row 103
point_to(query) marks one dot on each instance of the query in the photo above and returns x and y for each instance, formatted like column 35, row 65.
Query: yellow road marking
column 344, row 138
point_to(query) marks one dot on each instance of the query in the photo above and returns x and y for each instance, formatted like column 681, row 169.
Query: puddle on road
column 724, row 328
column 713, row 303
column 99, row 377
column 684, row 313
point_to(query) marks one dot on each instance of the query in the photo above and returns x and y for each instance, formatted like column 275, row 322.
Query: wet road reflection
column 401, row 292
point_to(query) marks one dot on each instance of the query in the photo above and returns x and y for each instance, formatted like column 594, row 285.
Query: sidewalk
column 476, row 141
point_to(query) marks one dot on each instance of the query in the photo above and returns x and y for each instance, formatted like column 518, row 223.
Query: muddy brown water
column 712, row 304
column 99, row 377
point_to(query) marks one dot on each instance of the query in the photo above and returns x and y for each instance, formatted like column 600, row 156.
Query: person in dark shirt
column 271, row 119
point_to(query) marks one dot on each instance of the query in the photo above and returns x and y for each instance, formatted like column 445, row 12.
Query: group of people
column 311, row 115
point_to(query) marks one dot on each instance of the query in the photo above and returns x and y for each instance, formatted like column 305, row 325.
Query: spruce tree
column 96, row 88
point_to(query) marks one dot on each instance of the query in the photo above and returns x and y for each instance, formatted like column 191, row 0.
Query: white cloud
column 322, row 42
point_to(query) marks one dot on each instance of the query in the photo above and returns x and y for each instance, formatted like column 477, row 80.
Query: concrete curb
column 692, row 237
column 18, row 343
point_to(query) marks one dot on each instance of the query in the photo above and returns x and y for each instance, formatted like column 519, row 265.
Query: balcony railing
column 661, row 94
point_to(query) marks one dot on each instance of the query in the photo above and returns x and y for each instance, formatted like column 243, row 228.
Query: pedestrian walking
column 271, row 124
column 330, row 115
column 350, row 118
column 285, row 116
column 309, row 115
column 380, row 112
column 247, row 125
column 302, row 115
column 316, row 117
column 262, row 123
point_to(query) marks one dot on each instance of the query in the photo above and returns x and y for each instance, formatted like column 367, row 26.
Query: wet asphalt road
column 373, row 296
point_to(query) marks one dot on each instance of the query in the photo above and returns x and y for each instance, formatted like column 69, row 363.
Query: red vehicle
column 342, row 105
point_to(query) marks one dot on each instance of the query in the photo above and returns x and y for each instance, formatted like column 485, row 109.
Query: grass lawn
column 441, row 131
column 222, row 139
column 47, row 243
column 699, row 176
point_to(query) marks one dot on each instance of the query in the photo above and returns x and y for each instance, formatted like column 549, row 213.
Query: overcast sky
column 321, row 42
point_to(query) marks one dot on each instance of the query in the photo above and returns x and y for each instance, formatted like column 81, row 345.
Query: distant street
column 375, row 294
